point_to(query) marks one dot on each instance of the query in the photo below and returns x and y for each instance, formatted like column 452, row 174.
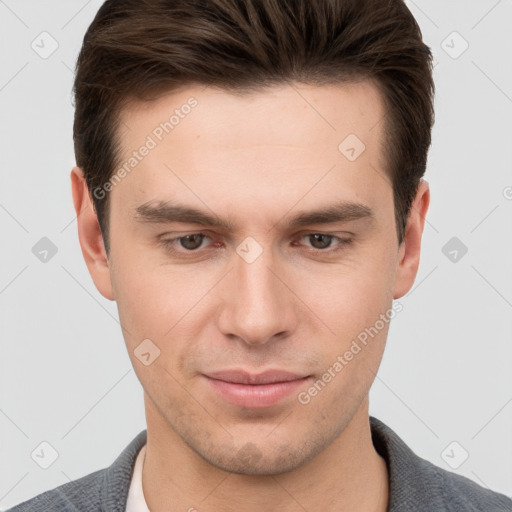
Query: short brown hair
column 137, row 48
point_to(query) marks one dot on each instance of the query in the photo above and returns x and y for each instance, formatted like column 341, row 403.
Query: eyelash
column 168, row 244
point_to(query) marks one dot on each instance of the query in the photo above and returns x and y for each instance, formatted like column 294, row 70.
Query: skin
column 258, row 159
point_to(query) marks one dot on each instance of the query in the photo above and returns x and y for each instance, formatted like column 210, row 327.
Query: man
column 249, row 191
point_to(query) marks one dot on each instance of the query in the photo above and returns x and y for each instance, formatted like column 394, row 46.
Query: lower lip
column 255, row 396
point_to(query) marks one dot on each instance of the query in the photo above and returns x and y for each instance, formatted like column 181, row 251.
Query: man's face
column 264, row 293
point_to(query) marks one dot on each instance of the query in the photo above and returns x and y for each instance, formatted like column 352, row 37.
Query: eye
column 193, row 242
column 190, row 242
column 186, row 243
column 323, row 242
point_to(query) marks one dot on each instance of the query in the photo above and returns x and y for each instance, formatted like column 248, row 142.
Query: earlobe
column 409, row 251
column 89, row 234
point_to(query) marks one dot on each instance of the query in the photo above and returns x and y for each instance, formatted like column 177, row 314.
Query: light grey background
column 446, row 374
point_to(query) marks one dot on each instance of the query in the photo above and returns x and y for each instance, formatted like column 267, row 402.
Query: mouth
column 255, row 391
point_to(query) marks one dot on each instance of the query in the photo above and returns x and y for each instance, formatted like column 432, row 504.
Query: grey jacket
column 416, row 485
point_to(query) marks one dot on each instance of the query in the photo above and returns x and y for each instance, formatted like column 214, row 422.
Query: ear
column 409, row 250
column 89, row 234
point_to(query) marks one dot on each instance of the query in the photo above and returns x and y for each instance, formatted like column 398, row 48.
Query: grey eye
column 320, row 241
column 191, row 242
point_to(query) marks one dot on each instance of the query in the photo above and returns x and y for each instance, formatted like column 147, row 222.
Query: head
column 288, row 141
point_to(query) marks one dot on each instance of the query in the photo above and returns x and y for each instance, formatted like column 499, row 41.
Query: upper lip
column 245, row 377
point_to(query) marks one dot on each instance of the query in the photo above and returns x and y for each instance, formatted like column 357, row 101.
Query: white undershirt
column 136, row 501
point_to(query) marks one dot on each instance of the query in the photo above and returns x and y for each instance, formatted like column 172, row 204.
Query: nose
column 258, row 305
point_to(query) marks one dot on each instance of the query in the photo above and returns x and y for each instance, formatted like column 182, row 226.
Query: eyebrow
column 161, row 212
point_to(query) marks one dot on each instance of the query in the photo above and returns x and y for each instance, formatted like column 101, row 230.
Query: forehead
column 258, row 115
column 283, row 141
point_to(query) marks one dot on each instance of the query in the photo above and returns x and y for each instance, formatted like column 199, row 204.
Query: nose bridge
column 258, row 307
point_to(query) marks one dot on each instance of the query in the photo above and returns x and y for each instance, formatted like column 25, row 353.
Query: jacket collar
column 414, row 483
column 117, row 477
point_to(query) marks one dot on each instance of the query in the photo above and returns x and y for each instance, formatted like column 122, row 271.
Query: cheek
column 164, row 306
column 359, row 316
column 142, row 301
column 350, row 298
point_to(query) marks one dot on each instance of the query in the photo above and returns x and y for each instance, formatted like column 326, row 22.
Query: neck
column 348, row 476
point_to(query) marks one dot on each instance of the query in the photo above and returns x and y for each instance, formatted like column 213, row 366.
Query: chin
column 260, row 458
